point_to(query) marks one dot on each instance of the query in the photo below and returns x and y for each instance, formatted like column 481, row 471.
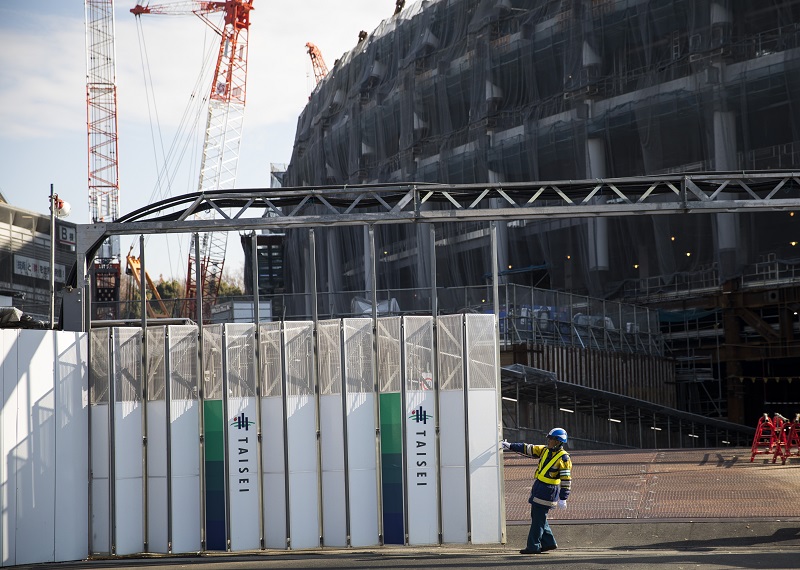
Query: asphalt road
column 631, row 545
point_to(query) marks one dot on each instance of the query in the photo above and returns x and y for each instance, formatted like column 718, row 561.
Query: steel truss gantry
column 376, row 204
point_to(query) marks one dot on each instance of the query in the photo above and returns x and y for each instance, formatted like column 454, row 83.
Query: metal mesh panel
column 156, row 374
column 419, row 352
column 212, row 362
column 271, row 363
column 183, row 369
column 99, row 365
column 330, row 357
column 481, row 352
column 240, row 344
column 389, row 355
column 127, row 364
column 450, row 344
column 358, row 355
column 299, row 379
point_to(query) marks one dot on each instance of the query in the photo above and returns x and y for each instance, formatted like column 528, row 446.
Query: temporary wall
column 277, row 435
column 43, row 454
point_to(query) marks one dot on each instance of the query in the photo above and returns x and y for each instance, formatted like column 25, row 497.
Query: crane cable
column 187, row 131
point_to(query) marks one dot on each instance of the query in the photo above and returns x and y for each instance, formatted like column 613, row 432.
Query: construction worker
column 551, row 486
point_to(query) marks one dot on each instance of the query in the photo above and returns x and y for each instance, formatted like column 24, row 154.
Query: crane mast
column 101, row 119
column 223, row 130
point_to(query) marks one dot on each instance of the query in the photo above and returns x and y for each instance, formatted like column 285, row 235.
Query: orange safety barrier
column 792, row 446
column 765, row 439
column 782, row 426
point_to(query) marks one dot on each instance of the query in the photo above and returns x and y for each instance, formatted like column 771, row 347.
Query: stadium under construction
column 693, row 311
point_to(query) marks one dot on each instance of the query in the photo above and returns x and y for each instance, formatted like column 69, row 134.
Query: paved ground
column 690, row 509
column 692, row 484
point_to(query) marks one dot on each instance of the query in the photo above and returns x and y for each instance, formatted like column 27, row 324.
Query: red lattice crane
column 320, row 69
column 223, row 130
column 101, row 119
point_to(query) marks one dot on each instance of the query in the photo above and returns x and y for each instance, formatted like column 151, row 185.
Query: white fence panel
column 128, row 491
column 421, row 468
column 184, row 459
column 485, row 467
column 301, row 436
column 272, row 429
column 361, row 450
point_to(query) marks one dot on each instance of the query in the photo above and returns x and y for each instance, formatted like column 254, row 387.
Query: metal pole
column 436, row 387
column 312, row 239
column 112, row 455
column 143, row 291
column 201, row 383
column 376, row 410
column 168, row 400
column 284, row 403
column 254, row 270
column 498, row 384
column 259, row 364
column 52, row 259
column 225, row 438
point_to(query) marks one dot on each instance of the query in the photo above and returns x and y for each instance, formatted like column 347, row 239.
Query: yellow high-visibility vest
column 545, row 466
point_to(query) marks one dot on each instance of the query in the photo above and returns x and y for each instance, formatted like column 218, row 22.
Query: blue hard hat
column 558, row 433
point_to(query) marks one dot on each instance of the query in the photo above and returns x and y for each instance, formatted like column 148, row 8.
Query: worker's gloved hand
column 505, row 445
column 562, row 504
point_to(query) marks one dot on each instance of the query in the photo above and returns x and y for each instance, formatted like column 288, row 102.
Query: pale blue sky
column 43, row 105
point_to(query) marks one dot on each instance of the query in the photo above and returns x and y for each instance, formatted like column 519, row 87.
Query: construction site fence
column 527, row 314
column 638, row 429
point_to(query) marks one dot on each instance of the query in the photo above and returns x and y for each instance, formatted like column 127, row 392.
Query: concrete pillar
column 502, row 228
column 333, row 277
column 597, row 227
column 725, row 159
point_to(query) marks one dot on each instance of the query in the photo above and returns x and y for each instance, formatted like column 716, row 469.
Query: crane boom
column 223, row 129
column 320, row 69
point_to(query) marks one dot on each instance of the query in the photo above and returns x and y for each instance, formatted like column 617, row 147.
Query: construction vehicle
column 134, row 268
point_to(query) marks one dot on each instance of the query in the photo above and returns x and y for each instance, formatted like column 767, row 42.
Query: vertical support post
column 376, row 389
column 498, row 384
column 143, row 291
column 225, row 437
column 112, row 455
column 168, row 398
column 516, row 411
column 259, row 364
column 52, row 259
column 465, row 372
column 83, row 285
column 312, row 240
column 254, row 270
column 285, row 404
column 436, row 394
column 201, row 383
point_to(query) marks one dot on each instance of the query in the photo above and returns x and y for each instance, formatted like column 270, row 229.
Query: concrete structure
column 490, row 91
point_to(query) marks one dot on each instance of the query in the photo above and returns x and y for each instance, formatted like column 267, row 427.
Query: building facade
column 497, row 91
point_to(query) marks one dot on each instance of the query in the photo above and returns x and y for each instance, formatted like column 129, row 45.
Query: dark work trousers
column 540, row 536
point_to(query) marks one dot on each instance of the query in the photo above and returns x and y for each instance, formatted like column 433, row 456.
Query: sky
column 43, row 132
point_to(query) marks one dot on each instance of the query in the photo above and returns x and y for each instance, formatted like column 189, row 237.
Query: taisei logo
column 421, row 416
column 242, row 422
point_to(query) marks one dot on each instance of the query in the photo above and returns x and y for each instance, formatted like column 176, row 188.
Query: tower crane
column 320, row 69
column 101, row 120
column 223, row 128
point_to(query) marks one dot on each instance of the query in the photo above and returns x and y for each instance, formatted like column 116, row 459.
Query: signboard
column 37, row 268
column 66, row 235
